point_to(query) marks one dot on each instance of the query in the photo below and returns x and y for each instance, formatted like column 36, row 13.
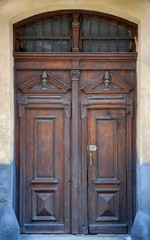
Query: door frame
column 129, row 60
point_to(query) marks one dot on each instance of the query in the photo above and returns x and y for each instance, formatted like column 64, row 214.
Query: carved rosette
column 75, row 74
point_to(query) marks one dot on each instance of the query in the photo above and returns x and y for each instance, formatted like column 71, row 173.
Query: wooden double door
column 75, row 145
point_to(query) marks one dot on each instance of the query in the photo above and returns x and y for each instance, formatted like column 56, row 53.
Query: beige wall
column 12, row 11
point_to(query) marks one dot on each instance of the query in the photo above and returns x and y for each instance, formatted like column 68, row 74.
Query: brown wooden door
column 106, row 155
column 107, row 170
column 75, row 146
column 45, row 170
column 44, row 159
column 75, row 79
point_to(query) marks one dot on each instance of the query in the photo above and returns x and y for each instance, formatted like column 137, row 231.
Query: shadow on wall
column 141, row 226
column 9, row 227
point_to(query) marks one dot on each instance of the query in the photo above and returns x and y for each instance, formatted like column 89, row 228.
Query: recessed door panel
column 45, row 171
column 107, row 171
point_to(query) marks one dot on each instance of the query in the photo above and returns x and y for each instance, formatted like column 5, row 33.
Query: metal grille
column 52, row 35
column 103, row 35
column 55, row 34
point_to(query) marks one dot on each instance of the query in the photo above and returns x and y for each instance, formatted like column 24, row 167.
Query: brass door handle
column 91, row 161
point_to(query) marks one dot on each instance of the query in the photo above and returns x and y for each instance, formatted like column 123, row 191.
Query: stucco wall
column 12, row 11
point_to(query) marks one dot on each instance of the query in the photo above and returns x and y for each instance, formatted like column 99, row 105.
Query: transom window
column 52, row 35
column 75, row 32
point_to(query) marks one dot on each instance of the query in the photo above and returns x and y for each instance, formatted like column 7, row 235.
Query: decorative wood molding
column 67, row 103
column 75, row 74
column 21, row 98
column 107, row 85
column 44, row 80
column 44, row 84
column 75, row 32
column 106, row 81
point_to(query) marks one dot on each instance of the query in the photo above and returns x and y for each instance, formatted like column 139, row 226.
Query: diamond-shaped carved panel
column 108, row 206
column 43, row 205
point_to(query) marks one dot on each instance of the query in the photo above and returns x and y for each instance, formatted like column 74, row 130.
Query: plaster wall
column 12, row 11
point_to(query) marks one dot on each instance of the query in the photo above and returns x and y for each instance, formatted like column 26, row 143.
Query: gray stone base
column 74, row 237
column 9, row 228
column 141, row 227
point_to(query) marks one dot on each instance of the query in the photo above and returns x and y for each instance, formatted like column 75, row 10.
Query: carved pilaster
column 75, row 74
column 75, row 31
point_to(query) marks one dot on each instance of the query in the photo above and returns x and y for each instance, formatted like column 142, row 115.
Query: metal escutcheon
column 92, row 148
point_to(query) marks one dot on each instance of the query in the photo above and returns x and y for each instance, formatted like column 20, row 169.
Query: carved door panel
column 107, row 164
column 44, row 111
column 106, row 155
column 45, row 176
column 65, row 187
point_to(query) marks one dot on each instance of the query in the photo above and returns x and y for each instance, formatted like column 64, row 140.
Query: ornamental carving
column 21, row 98
column 75, row 74
column 44, row 83
column 107, row 84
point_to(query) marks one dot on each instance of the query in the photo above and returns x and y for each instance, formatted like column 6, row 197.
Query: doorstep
column 74, row 237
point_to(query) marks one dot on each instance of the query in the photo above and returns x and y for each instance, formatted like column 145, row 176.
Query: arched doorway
column 75, row 78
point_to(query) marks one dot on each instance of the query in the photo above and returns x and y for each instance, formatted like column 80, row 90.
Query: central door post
column 75, row 74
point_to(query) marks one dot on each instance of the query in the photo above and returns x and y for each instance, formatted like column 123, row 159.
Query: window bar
column 69, row 26
column 60, row 42
column 17, row 41
column 126, row 40
column 108, row 42
column 42, row 26
column 133, row 45
column 99, row 34
column 50, row 40
column 133, row 42
column 118, row 36
column 80, row 34
column 33, row 40
column 89, row 23
column 51, row 34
